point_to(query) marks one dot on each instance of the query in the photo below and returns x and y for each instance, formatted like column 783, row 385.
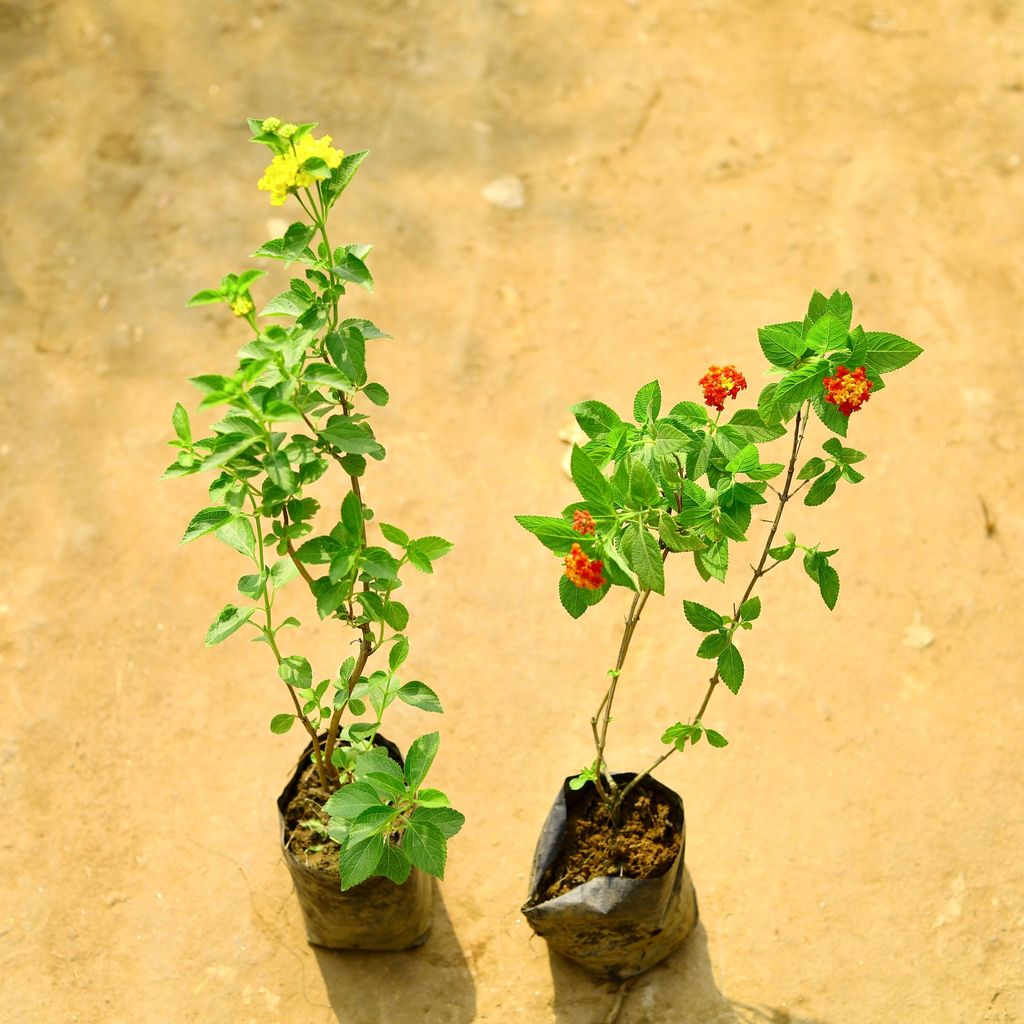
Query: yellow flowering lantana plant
column 296, row 406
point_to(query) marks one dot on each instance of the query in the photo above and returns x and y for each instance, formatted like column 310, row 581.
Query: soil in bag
column 617, row 901
column 378, row 914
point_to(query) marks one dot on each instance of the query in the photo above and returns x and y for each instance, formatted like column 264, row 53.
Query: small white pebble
column 507, row 193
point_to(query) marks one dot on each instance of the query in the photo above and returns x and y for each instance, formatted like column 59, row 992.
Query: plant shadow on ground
column 436, row 986
column 682, row 987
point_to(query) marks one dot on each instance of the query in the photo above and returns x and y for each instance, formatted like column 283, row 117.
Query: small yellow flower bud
column 242, row 306
column 271, row 124
column 286, row 131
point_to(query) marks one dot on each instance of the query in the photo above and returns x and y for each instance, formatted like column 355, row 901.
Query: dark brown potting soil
column 304, row 821
column 644, row 846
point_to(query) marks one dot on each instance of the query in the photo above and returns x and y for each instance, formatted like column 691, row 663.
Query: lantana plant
column 297, row 405
column 686, row 484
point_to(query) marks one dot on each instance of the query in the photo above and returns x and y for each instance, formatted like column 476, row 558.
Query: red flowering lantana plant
column 686, row 483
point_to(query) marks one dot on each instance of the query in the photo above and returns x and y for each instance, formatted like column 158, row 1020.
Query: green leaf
column 377, row 393
column 883, row 352
column 205, row 297
column 701, row 617
column 179, row 420
column 399, row 652
column 647, row 403
column 589, row 480
column 231, row 618
column 393, row 864
column 351, row 268
column 829, row 414
column 396, row 615
column 750, row 609
column 644, row 558
column 253, row 585
column 350, row 801
column 782, row 344
column 432, row 547
column 281, row 723
column 595, row 418
column 341, row 176
column 419, row 695
column 354, row 438
column 556, row 535
column 730, row 668
column 394, row 534
column 767, row 408
column 827, row 334
column 446, row 820
column 716, row 739
column 801, row 383
column 713, row 561
column 296, row 671
column 425, row 845
column 677, row 735
column 751, row 424
column 828, row 584
column 823, row 488
column 690, row 414
column 238, row 533
column 714, row 644
column 421, row 755
column 573, row 598
column 280, row 471
column 673, row 538
column 744, row 460
column 282, row 572
column 358, row 861
column 286, row 304
column 206, row 521
column 812, row 468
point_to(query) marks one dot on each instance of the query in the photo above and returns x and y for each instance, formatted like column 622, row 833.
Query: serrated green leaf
column 281, row 723
column 647, row 403
column 422, row 752
column 884, row 352
column 425, row 845
column 801, row 383
column 589, row 480
column 782, row 344
column 446, row 820
column 716, row 739
column 750, row 609
column 419, row 695
column 823, row 488
column 358, row 861
column 231, row 619
column 432, row 547
column 399, row 652
column 644, row 557
column 556, row 535
column 393, row 864
column 350, row 801
column 812, row 468
column 206, row 521
column 595, row 418
column 730, row 668
column 714, row 644
column 701, row 617
column 828, row 584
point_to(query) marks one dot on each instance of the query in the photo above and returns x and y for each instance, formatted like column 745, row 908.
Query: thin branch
column 800, row 426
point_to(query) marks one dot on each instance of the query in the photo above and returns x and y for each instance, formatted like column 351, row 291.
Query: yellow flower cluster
column 242, row 305
column 285, row 174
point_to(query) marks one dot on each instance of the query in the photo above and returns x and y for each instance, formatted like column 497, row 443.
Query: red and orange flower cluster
column 583, row 522
column 848, row 389
column 582, row 571
column 720, row 383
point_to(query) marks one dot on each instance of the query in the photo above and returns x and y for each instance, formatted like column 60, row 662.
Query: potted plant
column 609, row 888
column 361, row 830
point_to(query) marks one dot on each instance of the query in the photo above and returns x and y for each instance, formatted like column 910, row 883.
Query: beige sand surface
column 690, row 170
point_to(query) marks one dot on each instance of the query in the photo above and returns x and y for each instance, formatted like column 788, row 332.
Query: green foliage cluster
column 298, row 404
column 681, row 482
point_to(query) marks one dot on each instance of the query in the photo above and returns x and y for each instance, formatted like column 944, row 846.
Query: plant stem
column 271, row 640
column 799, row 428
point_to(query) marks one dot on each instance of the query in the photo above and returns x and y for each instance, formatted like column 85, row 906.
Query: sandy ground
column 690, row 170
